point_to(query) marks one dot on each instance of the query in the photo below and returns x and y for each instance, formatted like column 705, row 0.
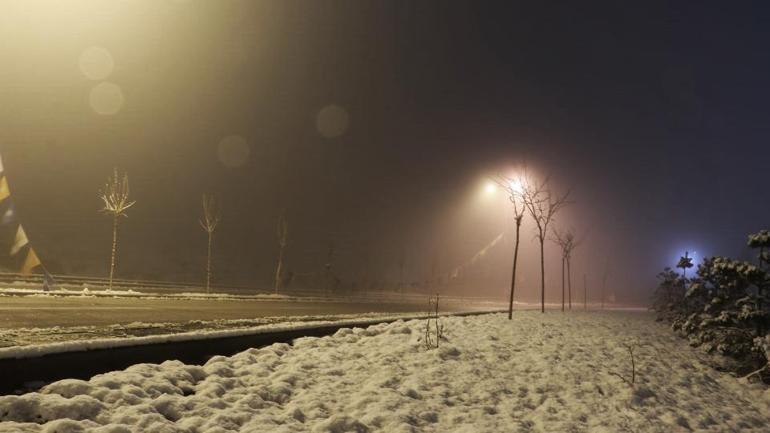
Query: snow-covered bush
column 761, row 241
column 724, row 309
column 668, row 296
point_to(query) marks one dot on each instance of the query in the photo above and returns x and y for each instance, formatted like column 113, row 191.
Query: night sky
column 375, row 124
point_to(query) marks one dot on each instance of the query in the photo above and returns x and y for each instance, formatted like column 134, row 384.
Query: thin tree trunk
column 208, row 265
column 283, row 231
column 513, row 275
column 114, row 247
column 562, row 283
column 278, row 267
column 604, row 285
column 569, row 283
column 542, row 274
column 585, row 293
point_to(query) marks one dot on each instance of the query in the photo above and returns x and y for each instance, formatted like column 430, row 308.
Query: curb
column 30, row 373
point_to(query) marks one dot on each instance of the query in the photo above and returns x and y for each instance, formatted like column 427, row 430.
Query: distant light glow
column 516, row 185
column 490, row 187
column 106, row 98
column 96, row 63
column 691, row 253
column 233, row 151
column 332, row 121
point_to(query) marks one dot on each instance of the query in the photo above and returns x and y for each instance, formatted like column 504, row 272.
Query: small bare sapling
column 208, row 223
column 434, row 329
column 632, row 380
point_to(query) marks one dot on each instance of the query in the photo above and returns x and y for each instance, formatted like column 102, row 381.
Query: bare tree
column 328, row 273
column 605, row 275
column 208, row 222
column 585, row 293
column 575, row 244
column 116, row 202
column 514, row 188
column 563, row 242
column 542, row 205
column 283, row 239
column 401, row 267
column 432, row 284
column 568, row 242
column 365, row 271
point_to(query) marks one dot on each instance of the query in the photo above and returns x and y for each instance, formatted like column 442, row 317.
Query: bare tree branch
column 115, row 195
column 631, row 381
column 514, row 188
column 116, row 202
column 210, row 217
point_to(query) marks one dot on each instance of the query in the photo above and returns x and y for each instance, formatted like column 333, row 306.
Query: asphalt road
column 28, row 311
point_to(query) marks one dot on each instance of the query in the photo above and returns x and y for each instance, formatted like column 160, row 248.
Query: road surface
column 44, row 311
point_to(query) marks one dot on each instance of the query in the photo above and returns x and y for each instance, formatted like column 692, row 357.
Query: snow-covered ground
column 550, row 372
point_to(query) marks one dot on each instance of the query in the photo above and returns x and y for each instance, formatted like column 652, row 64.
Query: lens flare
column 96, row 63
column 332, row 121
column 233, row 151
column 106, row 98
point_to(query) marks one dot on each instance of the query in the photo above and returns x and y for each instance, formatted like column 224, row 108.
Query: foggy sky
column 654, row 114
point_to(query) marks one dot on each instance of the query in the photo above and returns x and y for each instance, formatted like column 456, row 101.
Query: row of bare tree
column 527, row 197
column 116, row 201
column 538, row 201
column 115, row 197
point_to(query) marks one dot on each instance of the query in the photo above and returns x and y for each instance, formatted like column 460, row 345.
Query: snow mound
column 537, row 373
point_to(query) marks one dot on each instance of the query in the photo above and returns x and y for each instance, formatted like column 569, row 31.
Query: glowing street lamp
column 516, row 185
column 489, row 188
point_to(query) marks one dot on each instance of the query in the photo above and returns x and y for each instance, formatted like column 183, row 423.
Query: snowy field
column 538, row 373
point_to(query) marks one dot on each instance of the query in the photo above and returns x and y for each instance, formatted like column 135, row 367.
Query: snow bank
column 131, row 333
column 33, row 350
column 152, row 293
column 144, row 293
column 538, row 373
